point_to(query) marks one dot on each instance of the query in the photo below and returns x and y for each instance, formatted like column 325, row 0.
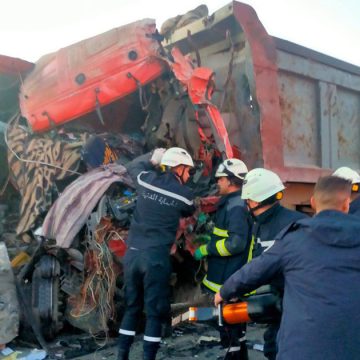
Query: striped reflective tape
column 162, row 191
column 127, row 332
column 220, row 232
column 152, row 338
column 211, row 285
column 221, row 248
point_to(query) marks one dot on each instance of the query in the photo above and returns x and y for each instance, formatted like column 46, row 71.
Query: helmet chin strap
column 251, row 210
column 180, row 176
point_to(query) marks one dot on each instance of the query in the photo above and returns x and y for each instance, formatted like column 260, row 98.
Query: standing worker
column 228, row 247
column 262, row 191
column 162, row 200
column 319, row 258
column 351, row 175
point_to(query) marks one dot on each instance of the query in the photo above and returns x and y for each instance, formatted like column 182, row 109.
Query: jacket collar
column 224, row 198
column 268, row 214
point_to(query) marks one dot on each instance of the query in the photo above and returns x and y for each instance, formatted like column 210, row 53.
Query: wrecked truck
column 217, row 85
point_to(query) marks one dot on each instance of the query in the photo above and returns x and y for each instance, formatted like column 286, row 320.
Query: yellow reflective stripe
column 250, row 256
column 250, row 293
column 251, row 248
column 211, row 285
column 222, row 250
column 220, row 232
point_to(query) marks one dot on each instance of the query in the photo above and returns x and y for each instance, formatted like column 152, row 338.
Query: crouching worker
column 319, row 258
column 162, row 199
column 228, row 248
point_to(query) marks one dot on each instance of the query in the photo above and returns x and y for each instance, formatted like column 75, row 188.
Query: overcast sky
column 32, row 28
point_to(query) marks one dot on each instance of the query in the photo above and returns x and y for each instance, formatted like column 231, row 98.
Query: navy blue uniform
column 266, row 226
column 228, row 248
column 228, row 251
column 355, row 207
column 319, row 258
column 161, row 201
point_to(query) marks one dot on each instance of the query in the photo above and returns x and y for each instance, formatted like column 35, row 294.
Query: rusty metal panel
column 348, row 129
column 300, row 127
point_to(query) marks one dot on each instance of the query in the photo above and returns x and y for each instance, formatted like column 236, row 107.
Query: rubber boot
column 150, row 350
column 124, row 343
column 122, row 355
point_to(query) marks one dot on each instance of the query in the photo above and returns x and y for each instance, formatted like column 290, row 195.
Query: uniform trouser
column 270, row 345
column 233, row 339
column 146, row 279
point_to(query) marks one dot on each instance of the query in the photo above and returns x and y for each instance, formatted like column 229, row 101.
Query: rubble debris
column 9, row 307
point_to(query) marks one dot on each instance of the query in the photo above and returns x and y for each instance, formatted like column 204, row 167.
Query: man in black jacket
column 351, row 175
column 228, row 248
column 319, row 258
column 263, row 190
column 162, row 200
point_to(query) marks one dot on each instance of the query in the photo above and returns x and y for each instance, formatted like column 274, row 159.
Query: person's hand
column 202, row 239
column 218, row 299
column 157, row 156
column 200, row 252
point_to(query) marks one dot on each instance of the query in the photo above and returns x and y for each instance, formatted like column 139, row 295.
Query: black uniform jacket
column 268, row 224
column 320, row 260
column 228, row 248
column 355, row 207
column 162, row 201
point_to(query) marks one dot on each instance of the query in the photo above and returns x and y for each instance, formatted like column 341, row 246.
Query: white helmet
column 260, row 184
column 232, row 167
column 347, row 174
column 176, row 156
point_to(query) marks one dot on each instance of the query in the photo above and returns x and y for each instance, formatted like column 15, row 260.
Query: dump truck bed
column 294, row 110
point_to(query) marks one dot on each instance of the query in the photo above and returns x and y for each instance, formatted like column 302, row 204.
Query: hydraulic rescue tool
column 264, row 306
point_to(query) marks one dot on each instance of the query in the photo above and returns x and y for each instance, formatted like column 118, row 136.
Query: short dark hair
column 236, row 181
column 332, row 191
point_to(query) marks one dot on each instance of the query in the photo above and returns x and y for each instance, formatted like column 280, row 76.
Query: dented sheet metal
column 71, row 210
column 199, row 82
column 89, row 74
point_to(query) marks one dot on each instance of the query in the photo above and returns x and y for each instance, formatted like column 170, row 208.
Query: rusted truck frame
column 297, row 110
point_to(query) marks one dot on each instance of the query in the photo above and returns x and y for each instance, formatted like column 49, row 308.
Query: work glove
column 202, row 239
column 202, row 218
column 157, row 156
column 200, row 252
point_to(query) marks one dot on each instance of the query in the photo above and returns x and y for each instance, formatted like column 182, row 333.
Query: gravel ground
column 190, row 341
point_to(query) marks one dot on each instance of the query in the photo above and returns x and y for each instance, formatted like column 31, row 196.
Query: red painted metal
column 96, row 71
column 13, row 66
column 199, row 83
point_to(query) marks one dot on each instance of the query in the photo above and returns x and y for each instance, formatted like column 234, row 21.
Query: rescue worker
column 162, row 199
column 228, row 247
column 319, row 258
column 351, row 175
column 262, row 191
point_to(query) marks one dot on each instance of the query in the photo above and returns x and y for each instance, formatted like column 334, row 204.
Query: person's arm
column 238, row 235
column 139, row 164
column 144, row 162
column 254, row 274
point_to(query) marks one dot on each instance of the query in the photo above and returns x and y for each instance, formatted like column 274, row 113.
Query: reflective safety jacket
column 265, row 228
column 268, row 224
column 162, row 200
column 228, row 248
